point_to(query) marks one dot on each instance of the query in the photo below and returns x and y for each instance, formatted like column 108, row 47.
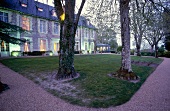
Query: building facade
column 43, row 26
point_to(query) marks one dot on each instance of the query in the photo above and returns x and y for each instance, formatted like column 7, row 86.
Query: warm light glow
column 24, row 5
column 62, row 17
column 25, row 23
column 40, row 9
column 42, row 45
column 26, row 49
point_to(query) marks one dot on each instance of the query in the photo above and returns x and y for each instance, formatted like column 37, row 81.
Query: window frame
column 42, row 26
column 54, row 28
column 4, row 16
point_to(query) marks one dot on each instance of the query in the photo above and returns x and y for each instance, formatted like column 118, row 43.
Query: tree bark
column 67, row 37
column 125, row 35
column 67, row 42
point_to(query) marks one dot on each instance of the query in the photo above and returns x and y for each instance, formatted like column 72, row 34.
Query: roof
column 32, row 9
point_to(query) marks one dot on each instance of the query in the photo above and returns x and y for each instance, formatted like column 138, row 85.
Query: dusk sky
column 78, row 2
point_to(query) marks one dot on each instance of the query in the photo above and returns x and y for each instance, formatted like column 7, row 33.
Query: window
column 40, row 9
column 87, row 33
column 56, row 28
column 26, row 47
column 42, row 26
column 76, row 46
column 92, row 46
column 23, row 5
column 84, row 31
column 53, row 12
column 56, row 47
column 4, row 46
column 85, row 46
column 42, row 45
column 4, row 16
column 91, row 33
column 77, row 34
column 26, row 23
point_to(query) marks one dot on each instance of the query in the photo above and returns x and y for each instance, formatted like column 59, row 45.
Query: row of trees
column 146, row 18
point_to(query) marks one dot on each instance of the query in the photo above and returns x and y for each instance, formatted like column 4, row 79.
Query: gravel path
column 24, row 95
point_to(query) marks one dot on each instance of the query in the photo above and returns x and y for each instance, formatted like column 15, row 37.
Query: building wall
column 84, row 36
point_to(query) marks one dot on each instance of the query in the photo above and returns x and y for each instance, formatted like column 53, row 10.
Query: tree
column 155, row 26
column 8, row 33
column 68, row 23
column 105, row 34
column 103, row 14
column 113, row 44
column 126, row 68
column 166, row 29
column 138, row 23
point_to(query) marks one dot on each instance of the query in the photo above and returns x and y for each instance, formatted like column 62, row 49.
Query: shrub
column 167, row 54
column 132, row 52
column 147, row 54
column 16, row 53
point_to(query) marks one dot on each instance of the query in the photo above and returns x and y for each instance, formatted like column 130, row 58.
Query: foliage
column 147, row 54
column 8, row 33
column 96, row 88
column 113, row 44
column 161, row 51
column 166, row 17
column 119, row 49
column 104, row 14
column 167, row 54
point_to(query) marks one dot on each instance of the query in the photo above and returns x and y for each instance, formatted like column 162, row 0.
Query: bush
column 167, row 54
column 35, row 53
column 132, row 52
column 112, row 51
column 147, row 54
column 76, row 52
column 16, row 53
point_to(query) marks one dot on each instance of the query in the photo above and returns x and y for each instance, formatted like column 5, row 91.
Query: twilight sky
column 78, row 2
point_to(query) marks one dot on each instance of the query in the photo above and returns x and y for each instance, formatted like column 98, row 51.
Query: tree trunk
column 156, row 51
column 138, row 50
column 67, row 42
column 125, row 35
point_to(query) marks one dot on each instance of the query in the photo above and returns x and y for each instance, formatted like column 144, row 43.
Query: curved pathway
column 24, row 95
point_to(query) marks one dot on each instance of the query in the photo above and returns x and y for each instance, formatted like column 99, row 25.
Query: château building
column 43, row 26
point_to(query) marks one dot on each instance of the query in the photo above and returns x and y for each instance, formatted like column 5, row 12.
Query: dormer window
column 23, row 5
column 40, row 9
column 53, row 13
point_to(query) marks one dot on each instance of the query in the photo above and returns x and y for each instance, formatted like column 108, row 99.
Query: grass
column 96, row 88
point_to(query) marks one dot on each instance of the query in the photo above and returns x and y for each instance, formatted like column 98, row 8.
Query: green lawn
column 94, row 88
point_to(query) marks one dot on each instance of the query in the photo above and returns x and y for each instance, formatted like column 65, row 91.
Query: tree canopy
column 8, row 33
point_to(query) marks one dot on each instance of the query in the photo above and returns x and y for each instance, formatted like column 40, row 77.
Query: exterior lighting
column 62, row 17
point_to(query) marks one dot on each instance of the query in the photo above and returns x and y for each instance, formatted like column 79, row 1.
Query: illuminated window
column 42, row 45
column 4, row 16
column 56, row 28
column 54, row 13
column 42, row 26
column 4, row 46
column 56, row 47
column 26, row 23
column 23, row 5
column 26, row 47
column 40, row 9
